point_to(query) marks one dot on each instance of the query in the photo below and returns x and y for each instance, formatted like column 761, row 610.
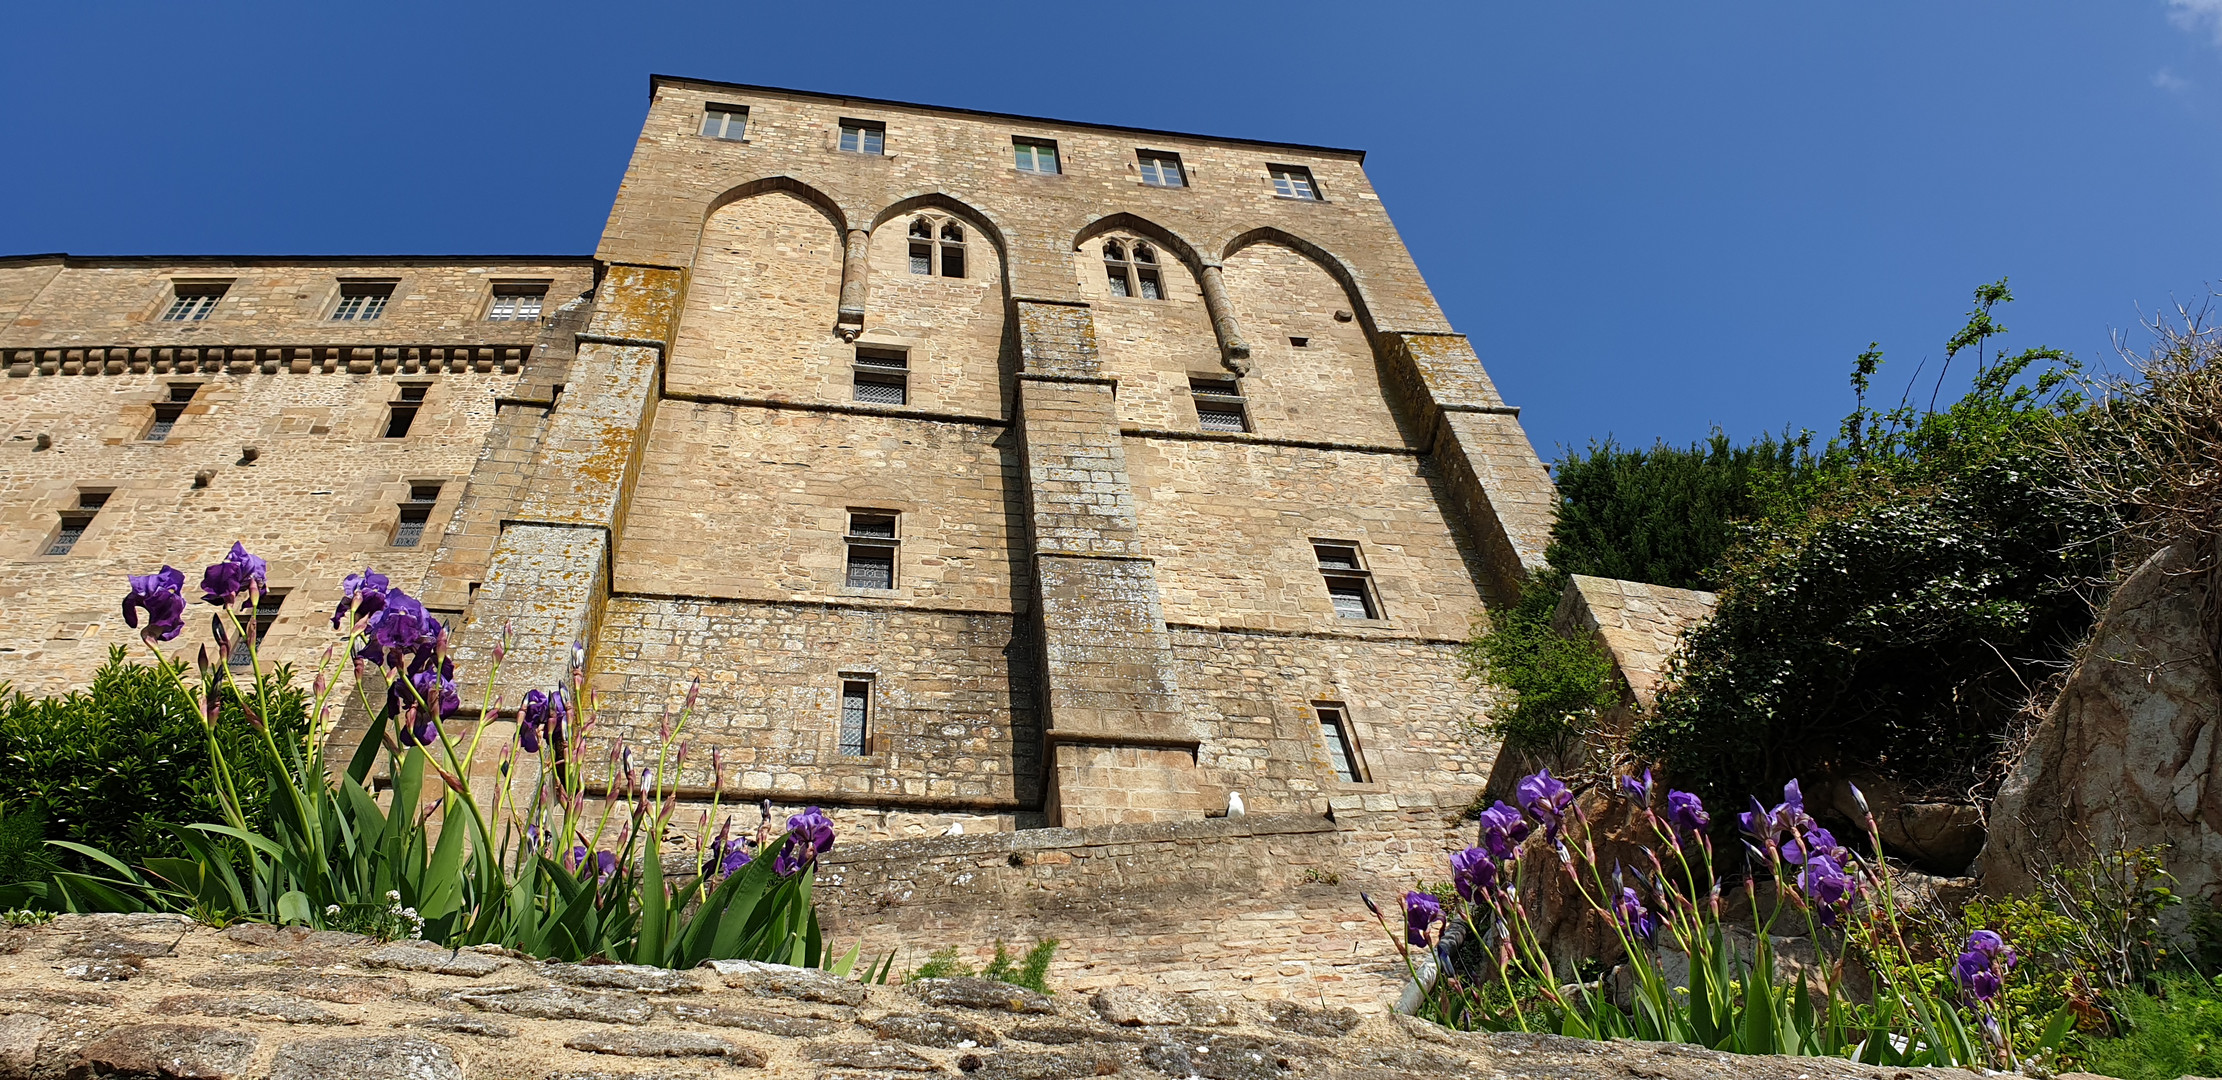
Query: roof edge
column 68, row 259
column 655, row 80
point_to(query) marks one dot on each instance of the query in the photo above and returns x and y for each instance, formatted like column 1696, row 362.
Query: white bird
column 1234, row 804
column 956, row 828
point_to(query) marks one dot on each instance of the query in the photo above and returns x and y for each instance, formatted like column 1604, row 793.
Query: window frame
column 1136, row 271
column 1336, row 730
column 1229, row 401
column 1151, row 165
column 1355, row 577
column 90, row 502
column 888, row 547
column 375, row 294
column 516, row 290
column 866, row 722
column 725, row 126
column 937, row 247
column 1286, row 179
column 405, row 408
column 179, row 310
column 417, row 511
column 1025, row 148
column 871, row 137
column 880, row 365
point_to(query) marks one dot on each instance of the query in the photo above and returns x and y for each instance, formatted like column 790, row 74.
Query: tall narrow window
column 1161, row 168
column 882, row 376
column 872, row 544
column 266, row 616
column 517, row 301
column 1349, row 585
column 1131, row 269
column 75, row 522
column 936, row 247
column 725, row 122
column 401, row 412
column 192, row 301
column 1293, row 182
column 408, row 530
column 1219, row 405
column 863, row 136
column 1342, row 753
column 166, row 413
column 856, row 717
column 362, row 301
column 1035, row 156
column 952, row 249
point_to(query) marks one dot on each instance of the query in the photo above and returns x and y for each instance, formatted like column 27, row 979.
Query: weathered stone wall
column 1639, row 625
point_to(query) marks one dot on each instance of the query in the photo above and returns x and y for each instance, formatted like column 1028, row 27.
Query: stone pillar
column 1232, row 348
column 1118, row 747
column 549, row 573
column 853, row 256
column 1498, row 487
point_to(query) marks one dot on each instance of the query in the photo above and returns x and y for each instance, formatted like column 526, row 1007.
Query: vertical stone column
column 1499, row 487
column 1232, row 348
column 1118, row 747
column 549, row 573
column 854, row 254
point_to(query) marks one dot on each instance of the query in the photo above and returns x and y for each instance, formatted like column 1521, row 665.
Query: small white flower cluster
column 392, row 921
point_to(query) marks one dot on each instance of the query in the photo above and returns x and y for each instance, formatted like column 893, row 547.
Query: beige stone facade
column 1113, row 440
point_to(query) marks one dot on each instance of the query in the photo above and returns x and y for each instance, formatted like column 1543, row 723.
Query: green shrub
column 112, row 764
column 1030, row 971
column 1556, row 686
column 1898, row 611
column 1668, row 515
column 2174, row 1032
column 24, row 855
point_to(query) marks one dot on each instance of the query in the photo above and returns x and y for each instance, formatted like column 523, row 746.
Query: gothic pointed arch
column 1327, row 261
column 1163, row 237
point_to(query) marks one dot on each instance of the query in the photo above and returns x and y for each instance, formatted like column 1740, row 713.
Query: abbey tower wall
column 1101, row 605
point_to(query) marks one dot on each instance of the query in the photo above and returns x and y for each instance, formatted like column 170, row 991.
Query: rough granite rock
column 1304, row 1020
column 634, row 977
column 779, row 980
column 984, row 994
column 770, row 1023
column 559, row 1003
column 940, row 1030
column 1129, row 1006
column 167, row 1052
column 881, row 1057
column 1056, row 1065
column 663, row 1044
column 374, row 1057
column 345, row 989
column 283, row 1008
column 436, row 960
column 461, row 1025
column 20, row 1034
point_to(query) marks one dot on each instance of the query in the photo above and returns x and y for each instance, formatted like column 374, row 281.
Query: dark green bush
column 113, row 764
column 1667, row 515
column 2174, row 1032
column 1904, row 605
column 1556, row 686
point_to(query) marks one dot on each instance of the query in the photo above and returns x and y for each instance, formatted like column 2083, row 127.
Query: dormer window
column 191, row 301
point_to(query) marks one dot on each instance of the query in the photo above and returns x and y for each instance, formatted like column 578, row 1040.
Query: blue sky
column 1651, row 218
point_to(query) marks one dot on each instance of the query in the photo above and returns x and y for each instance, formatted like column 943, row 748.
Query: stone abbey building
column 983, row 468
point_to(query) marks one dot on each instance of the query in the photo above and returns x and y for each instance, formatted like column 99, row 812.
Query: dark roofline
column 654, row 80
column 68, row 259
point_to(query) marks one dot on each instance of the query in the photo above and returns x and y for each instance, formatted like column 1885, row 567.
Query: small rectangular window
column 725, row 122
column 192, row 301
column 1293, row 182
column 362, row 301
column 1349, row 585
column 266, row 616
column 1035, row 156
column 922, row 259
column 517, row 302
column 1342, row 753
column 882, row 376
column 856, row 717
column 165, row 419
column 863, row 136
column 872, row 544
column 409, row 525
column 1161, row 169
column 1219, row 404
column 75, row 522
column 402, row 414
column 1151, row 288
column 1299, row 342
column 1119, row 285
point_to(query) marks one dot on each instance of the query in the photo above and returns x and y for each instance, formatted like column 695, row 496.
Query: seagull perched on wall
column 1234, row 804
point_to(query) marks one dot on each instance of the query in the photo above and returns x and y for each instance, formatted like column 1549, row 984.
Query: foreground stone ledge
column 256, row 1004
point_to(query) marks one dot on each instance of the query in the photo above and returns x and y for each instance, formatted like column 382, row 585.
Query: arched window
column 928, row 257
column 1132, row 277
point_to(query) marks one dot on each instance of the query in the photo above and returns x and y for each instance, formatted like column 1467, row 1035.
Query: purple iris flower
column 1987, row 942
column 400, row 627
column 1546, row 799
column 363, row 594
column 1638, row 788
column 1827, row 885
column 605, row 862
column 1978, row 975
column 1420, row 912
column 1813, row 842
column 532, row 720
column 809, row 834
column 1502, row 829
column 1473, row 872
column 160, row 596
column 1633, row 917
column 726, row 854
column 238, row 573
column 1686, row 812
